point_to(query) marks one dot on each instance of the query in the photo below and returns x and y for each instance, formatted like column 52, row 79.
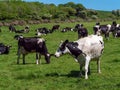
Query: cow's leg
column 89, row 69
column 98, row 66
column 80, row 74
column 86, row 66
column 18, row 58
column 23, row 58
column 107, row 35
column 38, row 58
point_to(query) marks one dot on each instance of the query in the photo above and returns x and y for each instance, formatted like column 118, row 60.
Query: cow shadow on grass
column 28, row 63
column 71, row 74
column 36, row 75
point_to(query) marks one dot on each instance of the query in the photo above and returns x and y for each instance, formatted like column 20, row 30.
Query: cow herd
column 86, row 48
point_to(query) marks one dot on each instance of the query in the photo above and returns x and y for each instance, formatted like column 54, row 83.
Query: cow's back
column 91, row 45
column 33, row 44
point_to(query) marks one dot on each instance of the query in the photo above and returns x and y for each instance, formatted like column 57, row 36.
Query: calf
column 83, row 50
column 4, row 49
column 32, row 44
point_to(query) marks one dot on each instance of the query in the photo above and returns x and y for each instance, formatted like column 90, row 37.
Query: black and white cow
column 102, row 29
column 66, row 29
column 32, row 44
column 115, row 29
column 4, row 49
column 42, row 31
column 83, row 50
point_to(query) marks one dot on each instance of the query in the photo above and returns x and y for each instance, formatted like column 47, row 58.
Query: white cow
column 83, row 50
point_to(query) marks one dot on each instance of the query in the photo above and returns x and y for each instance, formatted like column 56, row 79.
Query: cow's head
column 43, row 49
column 17, row 37
column 62, row 49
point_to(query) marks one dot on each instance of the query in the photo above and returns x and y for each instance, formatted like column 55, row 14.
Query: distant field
column 61, row 73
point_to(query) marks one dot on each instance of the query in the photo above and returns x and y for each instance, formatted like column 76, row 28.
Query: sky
column 106, row 5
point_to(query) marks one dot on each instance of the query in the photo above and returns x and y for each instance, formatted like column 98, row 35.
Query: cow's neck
column 73, row 48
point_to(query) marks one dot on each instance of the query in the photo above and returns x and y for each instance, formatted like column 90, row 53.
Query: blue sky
column 106, row 5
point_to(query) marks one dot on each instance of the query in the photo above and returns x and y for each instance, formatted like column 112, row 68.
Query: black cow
column 4, row 49
column 77, row 26
column 32, row 44
column 82, row 32
column 55, row 27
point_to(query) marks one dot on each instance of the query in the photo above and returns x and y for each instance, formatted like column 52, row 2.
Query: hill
column 36, row 12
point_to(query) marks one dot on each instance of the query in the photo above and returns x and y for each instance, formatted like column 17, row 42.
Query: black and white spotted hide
column 74, row 50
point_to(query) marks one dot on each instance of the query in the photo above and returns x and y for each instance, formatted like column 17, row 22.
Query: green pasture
column 61, row 73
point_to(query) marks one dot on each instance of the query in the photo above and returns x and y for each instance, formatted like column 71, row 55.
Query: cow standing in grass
column 102, row 29
column 32, row 44
column 83, row 50
column 82, row 31
column 115, row 29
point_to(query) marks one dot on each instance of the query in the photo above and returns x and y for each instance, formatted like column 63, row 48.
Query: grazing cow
column 83, row 50
column 32, row 44
column 66, row 29
column 82, row 32
column 4, row 49
column 55, row 27
column 102, row 29
column 42, row 31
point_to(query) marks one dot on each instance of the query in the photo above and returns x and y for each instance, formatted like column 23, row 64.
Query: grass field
column 61, row 73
